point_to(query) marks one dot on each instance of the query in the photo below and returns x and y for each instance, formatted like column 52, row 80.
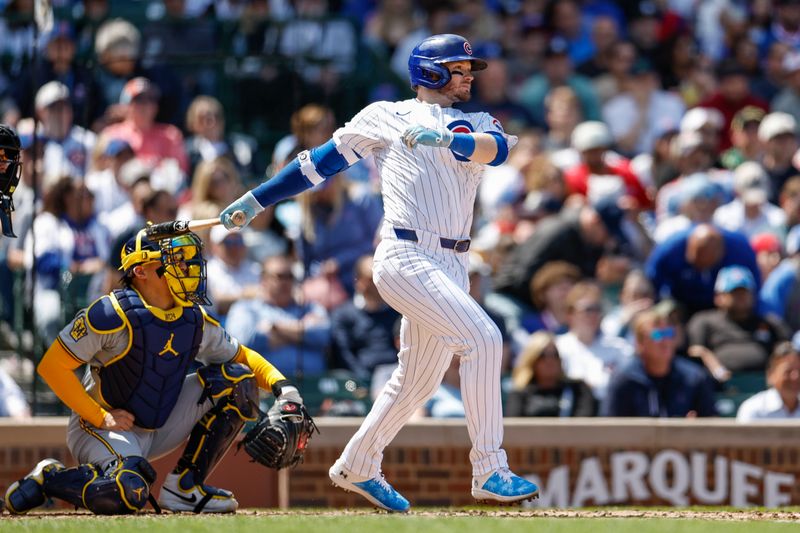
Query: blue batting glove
column 437, row 138
column 247, row 204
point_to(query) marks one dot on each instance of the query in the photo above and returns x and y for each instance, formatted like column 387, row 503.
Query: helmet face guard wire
column 9, row 177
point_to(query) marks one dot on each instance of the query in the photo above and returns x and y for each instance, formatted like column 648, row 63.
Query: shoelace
column 505, row 474
column 383, row 483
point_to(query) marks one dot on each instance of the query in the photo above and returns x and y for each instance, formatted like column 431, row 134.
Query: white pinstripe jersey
column 424, row 188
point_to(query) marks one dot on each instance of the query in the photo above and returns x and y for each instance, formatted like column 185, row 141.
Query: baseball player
column 10, row 172
column 431, row 159
column 137, row 401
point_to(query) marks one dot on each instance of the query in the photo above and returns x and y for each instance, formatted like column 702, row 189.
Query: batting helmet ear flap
column 427, row 73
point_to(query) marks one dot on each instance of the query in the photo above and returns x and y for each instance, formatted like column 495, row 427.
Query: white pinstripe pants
column 429, row 285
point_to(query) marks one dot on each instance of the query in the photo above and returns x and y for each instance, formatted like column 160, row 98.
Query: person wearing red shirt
column 602, row 172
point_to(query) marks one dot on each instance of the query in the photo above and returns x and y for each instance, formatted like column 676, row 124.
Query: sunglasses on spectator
column 661, row 334
column 282, row 276
column 592, row 308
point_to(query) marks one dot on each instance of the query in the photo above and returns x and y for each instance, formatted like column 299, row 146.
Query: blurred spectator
column 295, row 334
column 567, row 20
column 491, row 95
column 549, row 288
column 789, row 201
column 784, row 26
column 685, row 266
column 321, row 48
column 655, row 168
column 155, row 143
column 780, row 294
column 655, row 383
column 636, row 296
column 215, row 184
column 778, row 133
column 644, row 28
column 446, row 402
column 733, row 94
column 205, row 120
column 750, row 212
column 557, row 71
column 769, row 253
column 388, row 25
column 17, row 26
column 578, row 237
column 12, row 400
column 602, row 173
column 768, row 82
column 311, row 125
column 604, row 35
column 562, row 114
column 622, row 57
column 68, row 147
column 337, row 227
column 58, row 63
column 362, row 328
column 231, row 275
column 95, row 13
column 118, row 49
column 707, row 121
column 134, row 176
column 745, row 145
column 788, row 100
column 698, row 201
column 267, row 237
column 540, row 387
column 65, row 237
column 438, row 19
column 782, row 398
column 734, row 337
column 105, row 179
column 642, row 112
column 588, row 354
column 479, row 288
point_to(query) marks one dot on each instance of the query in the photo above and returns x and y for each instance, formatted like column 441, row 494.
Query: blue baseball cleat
column 377, row 490
column 503, row 486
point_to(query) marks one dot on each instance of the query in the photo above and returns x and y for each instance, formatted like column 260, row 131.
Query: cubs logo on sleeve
column 460, row 126
column 496, row 124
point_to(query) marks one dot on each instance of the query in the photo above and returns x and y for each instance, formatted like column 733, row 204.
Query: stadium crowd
column 640, row 250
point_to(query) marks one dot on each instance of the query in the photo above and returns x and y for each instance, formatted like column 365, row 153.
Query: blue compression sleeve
column 308, row 169
column 502, row 149
column 463, row 144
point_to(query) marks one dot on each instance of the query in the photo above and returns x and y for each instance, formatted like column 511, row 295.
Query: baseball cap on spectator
column 133, row 171
column 646, row 9
column 734, row 277
column 730, row 67
column 114, row 147
column 765, row 242
column 775, row 124
column 791, row 62
column 50, row 93
column 118, row 36
column 698, row 186
column 751, row 183
column 60, row 30
column 698, row 118
column 747, row 115
column 792, row 241
column 557, row 47
column 591, row 134
column 611, row 215
column 136, row 88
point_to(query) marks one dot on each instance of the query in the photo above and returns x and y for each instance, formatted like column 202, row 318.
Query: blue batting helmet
column 426, row 63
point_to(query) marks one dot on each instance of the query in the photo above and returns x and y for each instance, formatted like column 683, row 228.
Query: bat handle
column 239, row 218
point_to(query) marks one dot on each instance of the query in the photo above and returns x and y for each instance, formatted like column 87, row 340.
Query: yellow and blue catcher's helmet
column 182, row 263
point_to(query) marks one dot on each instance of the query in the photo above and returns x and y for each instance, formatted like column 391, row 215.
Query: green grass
column 427, row 522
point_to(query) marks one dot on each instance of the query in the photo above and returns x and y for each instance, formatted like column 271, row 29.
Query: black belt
column 459, row 246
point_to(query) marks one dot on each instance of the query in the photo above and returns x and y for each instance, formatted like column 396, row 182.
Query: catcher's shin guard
column 123, row 488
column 233, row 389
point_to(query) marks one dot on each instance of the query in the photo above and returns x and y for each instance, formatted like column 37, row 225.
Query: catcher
column 137, row 401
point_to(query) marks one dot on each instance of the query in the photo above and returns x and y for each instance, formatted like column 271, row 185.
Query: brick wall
column 577, row 462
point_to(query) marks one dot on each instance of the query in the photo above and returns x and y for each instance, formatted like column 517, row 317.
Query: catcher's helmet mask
column 426, row 64
column 10, row 173
column 182, row 264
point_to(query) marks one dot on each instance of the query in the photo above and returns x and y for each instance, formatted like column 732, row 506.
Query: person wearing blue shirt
column 780, row 294
column 655, row 383
column 294, row 334
column 685, row 266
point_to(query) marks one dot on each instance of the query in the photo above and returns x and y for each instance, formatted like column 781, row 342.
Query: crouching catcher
column 137, row 401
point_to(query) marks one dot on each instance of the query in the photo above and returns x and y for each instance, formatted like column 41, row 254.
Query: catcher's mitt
column 279, row 439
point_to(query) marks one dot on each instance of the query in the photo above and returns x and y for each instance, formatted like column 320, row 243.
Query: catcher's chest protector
column 147, row 379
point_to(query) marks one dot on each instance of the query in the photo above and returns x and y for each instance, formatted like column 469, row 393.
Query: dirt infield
column 678, row 514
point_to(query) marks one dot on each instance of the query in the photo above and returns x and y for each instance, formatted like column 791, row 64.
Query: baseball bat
column 179, row 227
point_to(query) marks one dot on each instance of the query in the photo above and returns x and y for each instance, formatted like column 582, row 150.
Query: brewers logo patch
column 78, row 329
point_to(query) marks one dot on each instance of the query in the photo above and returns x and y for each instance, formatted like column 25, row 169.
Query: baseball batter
column 430, row 157
column 137, row 401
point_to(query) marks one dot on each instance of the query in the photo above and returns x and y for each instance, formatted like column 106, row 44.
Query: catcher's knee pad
column 233, row 389
column 123, row 488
